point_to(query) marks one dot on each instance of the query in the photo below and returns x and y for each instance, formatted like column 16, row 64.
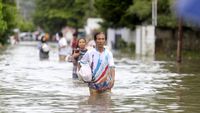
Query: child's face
column 81, row 43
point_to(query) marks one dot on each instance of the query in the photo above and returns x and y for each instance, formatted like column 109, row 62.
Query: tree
column 114, row 12
column 128, row 13
column 8, row 21
column 142, row 10
column 3, row 25
column 52, row 15
column 166, row 17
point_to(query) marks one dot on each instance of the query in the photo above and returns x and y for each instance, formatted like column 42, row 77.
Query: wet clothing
column 44, row 55
column 74, row 43
column 63, row 49
column 43, row 52
column 75, row 62
column 100, row 63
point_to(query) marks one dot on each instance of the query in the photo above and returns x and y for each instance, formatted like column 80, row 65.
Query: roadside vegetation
column 52, row 15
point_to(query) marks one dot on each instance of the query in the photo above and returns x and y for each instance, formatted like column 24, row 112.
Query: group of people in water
column 99, row 58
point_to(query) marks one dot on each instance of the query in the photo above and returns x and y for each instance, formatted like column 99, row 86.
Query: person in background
column 91, row 44
column 44, row 47
column 102, row 66
column 16, row 37
column 62, row 47
column 77, row 54
column 69, row 36
column 74, row 41
column 57, row 37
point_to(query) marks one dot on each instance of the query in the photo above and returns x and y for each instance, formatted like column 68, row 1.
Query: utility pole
column 91, row 7
column 154, row 12
column 17, row 4
column 179, row 41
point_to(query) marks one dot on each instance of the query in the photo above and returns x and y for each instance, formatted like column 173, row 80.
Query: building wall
column 124, row 33
column 166, row 40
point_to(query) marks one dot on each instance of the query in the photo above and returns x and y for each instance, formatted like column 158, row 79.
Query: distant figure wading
column 44, row 47
column 62, row 47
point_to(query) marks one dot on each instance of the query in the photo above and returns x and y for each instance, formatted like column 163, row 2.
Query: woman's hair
column 75, row 34
column 98, row 33
column 43, row 39
column 60, row 34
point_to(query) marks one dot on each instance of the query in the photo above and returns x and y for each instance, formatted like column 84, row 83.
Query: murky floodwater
column 28, row 85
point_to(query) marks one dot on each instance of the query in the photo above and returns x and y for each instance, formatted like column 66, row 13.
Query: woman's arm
column 72, row 57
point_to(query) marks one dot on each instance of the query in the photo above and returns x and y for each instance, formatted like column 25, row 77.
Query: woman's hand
column 75, row 55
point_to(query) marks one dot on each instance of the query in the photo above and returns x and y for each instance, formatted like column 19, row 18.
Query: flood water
column 28, row 85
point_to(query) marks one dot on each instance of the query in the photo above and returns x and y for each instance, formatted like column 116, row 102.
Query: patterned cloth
column 75, row 63
column 101, row 63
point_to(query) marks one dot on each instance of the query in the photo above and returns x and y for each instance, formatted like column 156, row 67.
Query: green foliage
column 164, row 6
column 8, row 21
column 120, row 43
column 26, row 26
column 124, row 47
column 3, row 25
column 113, row 12
column 128, row 13
column 165, row 15
column 141, row 8
column 10, row 13
column 131, row 46
column 52, row 15
column 167, row 21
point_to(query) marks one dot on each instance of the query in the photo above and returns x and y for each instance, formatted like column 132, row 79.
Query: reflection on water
column 28, row 85
column 100, row 103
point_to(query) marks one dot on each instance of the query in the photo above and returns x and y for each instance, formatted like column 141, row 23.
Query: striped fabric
column 101, row 69
column 75, row 63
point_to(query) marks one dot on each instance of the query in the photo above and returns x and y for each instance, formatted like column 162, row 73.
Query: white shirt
column 97, row 58
column 63, row 47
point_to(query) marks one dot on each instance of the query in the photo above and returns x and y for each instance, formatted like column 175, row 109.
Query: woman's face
column 81, row 43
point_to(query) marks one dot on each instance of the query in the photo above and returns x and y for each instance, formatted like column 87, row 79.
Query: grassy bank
column 166, row 56
column 186, row 55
